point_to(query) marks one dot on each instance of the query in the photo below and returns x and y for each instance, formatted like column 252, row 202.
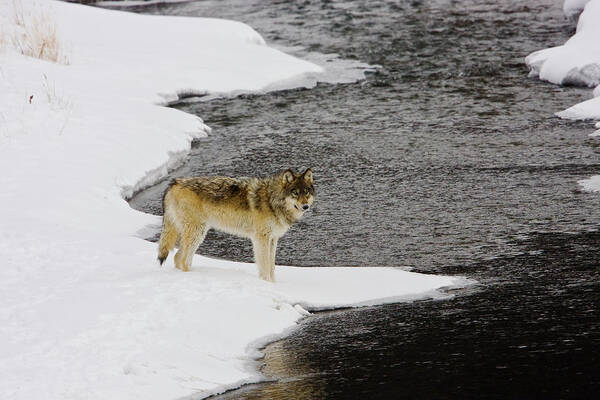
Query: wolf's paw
column 266, row 277
column 182, row 268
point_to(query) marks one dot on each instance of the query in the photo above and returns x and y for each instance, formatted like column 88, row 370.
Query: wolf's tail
column 168, row 238
column 169, row 235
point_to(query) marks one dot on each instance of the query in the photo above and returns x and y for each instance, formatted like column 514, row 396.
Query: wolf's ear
column 288, row 176
column 308, row 178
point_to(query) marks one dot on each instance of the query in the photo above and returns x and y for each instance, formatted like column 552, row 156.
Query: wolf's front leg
column 262, row 256
column 272, row 252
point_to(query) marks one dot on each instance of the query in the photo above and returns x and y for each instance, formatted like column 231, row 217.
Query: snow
column 572, row 8
column 577, row 62
column 591, row 185
column 127, row 3
column 86, row 311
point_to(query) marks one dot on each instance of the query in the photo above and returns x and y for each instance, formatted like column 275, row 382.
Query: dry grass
column 35, row 33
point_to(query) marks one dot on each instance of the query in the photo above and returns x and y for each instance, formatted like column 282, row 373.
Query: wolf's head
column 299, row 191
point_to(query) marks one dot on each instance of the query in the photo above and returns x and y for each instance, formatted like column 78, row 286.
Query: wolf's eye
column 295, row 192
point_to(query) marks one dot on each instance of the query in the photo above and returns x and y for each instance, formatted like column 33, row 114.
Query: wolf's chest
column 247, row 224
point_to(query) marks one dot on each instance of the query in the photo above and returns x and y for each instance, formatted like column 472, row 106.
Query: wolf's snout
column 305, row 207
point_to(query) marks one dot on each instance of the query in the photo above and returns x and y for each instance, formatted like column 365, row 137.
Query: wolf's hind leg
column 178, row 259
column 190, row 241
column 262, row 256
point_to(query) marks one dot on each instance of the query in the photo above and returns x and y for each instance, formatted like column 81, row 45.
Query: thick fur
column 261, row 209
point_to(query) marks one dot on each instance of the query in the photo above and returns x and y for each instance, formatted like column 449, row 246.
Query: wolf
column 260, row 209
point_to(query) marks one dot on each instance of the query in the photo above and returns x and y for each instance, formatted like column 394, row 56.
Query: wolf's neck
column 278, row 207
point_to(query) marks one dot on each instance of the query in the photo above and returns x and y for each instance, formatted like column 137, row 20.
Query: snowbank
column 572, row 8
column 577, row 62
column 86, row 312
column 589, row 109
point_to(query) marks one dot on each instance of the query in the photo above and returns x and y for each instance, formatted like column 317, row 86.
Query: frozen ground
column 86, row 311
column 577, row 62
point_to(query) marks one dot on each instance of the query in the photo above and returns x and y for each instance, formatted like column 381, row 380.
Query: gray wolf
column 260, row 209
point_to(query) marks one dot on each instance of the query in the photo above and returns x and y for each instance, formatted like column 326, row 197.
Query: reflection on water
column 532, row 331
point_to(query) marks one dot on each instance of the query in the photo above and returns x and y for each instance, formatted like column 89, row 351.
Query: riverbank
column 576, row 63
column 86, row 310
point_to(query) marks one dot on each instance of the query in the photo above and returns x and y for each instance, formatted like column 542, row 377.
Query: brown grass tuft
column 35, row 33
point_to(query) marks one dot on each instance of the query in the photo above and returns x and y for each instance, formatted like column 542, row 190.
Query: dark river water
column 446, row 159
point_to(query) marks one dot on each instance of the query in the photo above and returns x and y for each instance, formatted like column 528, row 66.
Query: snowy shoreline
column 86, row 310
column 577, row 62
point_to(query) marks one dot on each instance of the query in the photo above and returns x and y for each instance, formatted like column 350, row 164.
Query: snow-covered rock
column 577, row 62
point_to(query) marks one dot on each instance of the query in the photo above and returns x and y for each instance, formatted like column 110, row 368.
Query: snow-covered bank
column 577, row 62
column 572, row 8
column 86, row 312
